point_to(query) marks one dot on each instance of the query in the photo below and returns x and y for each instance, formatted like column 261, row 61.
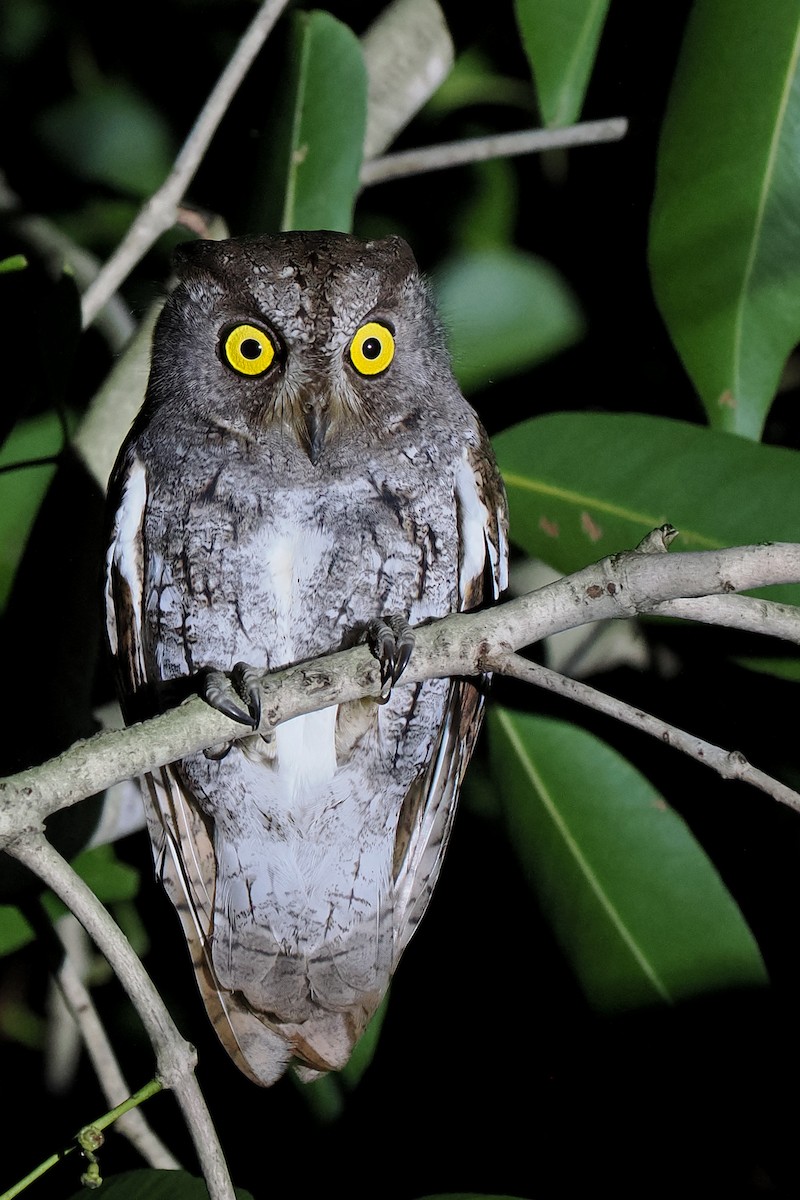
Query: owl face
column 310, row 332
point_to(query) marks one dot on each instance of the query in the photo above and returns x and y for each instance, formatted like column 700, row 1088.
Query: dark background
column 492, row 1073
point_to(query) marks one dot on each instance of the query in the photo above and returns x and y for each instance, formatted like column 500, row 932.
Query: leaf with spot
column 635, row 903
column 583, row 485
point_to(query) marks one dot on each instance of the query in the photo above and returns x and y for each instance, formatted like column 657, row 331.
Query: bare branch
column 159, row 212
column 618, row 586
column 730, row 764
column 132, row 1124
column 175, row 1057
column 501, row 145
column 736, row 612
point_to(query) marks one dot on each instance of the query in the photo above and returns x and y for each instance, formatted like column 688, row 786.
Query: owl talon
column 216, row 687
column 247, row 681
column 391, row 640
column 217, row 753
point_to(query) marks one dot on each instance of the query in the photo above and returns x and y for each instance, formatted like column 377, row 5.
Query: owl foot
column 222, row 690
column 391, row 640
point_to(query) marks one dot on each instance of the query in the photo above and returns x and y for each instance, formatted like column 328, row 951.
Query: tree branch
column 730, row 764
column 621, row 585
column 736, row 612
column 174, row 1056
column 501, row 145
column 78, row 1001
column 159, row 212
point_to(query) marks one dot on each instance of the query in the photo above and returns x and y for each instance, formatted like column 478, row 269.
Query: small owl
column 304, row 474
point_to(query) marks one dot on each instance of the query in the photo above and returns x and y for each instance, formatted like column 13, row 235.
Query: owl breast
column 304, row 823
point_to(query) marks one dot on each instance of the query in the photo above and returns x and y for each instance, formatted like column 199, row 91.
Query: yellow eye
column 248, row 349
column 372, row 349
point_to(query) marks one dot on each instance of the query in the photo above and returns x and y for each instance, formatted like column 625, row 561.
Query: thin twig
column 766, row 617
column 730, row 764
column 132, row 1124
column 501, row 145
column 159, row 213
column 174, row 1056
column 122, row 1110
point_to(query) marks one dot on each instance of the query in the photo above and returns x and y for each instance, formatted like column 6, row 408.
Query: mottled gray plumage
column 304, row 463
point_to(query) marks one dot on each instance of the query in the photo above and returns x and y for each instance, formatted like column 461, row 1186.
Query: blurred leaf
column 466, row 1196
column 315, row 146
column 15, row 262
column 326, row 1095
column 473, row 80
column 560, row 38
column 110, row 880
column 110, row 135
column 725, row 233
column 23, row 24
column 488, row 215
column 15, row 931
column 42, row 313
column 583, row 485
column 365, row 1047
column 150, row 1184
column 20, row 1024
column 22, row 491
column 504, row 311
column 636, row 905
column 101, row 222
column 780, row 668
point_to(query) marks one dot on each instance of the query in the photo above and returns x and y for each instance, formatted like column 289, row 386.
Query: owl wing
column 428, row 811
column 179, row 834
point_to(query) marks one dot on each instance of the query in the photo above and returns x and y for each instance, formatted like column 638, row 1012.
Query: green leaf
column 315, row 152
column 636, row 905
column 326, row 1095
column 22, row 491
column 365, row 1047
column 779, row 668
column 110, row 135
column 15, row 932
column 488, row 215
column 504, row 311
column 14, row 262
column 725, row 232
column 472, row 80
column 583, row 485
column 560, row 38
column 111, row 881
column 150, row 1184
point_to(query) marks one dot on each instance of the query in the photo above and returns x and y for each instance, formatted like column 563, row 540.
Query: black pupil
column 371, row 347
column 250, row 348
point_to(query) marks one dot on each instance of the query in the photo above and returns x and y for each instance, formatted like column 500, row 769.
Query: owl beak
column 315, row 426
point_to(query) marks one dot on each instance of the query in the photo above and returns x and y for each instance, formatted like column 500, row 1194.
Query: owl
column 304, row 474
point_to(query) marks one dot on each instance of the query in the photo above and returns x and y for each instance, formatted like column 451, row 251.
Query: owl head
column 315, row 332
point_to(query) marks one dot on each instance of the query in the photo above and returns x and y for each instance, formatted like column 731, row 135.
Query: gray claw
column 391, row 640
column 247, row 681
column 216, row 689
